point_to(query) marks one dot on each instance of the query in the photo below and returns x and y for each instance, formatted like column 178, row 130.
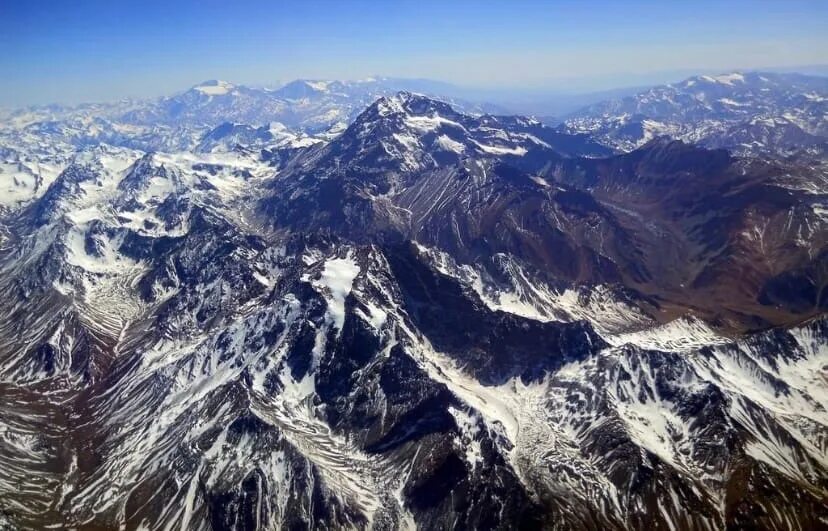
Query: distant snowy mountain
column 228, row 136
column 236, row 309
column 311, row 105
column 183, row 121
column 751, row 112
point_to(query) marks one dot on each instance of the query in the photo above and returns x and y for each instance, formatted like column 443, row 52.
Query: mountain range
column 352, row 305
column 744, row 112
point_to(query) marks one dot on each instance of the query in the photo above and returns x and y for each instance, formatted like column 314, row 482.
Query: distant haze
column 101, row 51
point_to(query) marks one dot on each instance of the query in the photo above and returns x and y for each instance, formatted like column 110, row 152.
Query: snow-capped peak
column 321, row 86
column 412, row 104
column 725, row 79
column 214, row 87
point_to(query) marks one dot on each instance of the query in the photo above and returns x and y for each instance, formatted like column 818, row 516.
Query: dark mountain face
column 426, row 320
column 661, row 218
column 722, row 225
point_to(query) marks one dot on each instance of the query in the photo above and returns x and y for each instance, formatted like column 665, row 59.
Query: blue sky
column 103, row 50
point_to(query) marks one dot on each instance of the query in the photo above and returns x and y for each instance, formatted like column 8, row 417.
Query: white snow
column 467, row 421
column 680, row 335
column 653, row 129
column 725, row 79
column 376, row 316
column 496, row 150
column 534, row 300
column 217, row 88
column 430, row 123
column 277, row 128
column 448, row 144
column 18, row 184
column 110, row 260
column 321, row 86
column 734, row 103
column 305, row 141
column 410, row 142
column 336, row 280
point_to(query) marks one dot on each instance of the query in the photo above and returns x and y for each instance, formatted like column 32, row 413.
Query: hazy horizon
column 94, row 51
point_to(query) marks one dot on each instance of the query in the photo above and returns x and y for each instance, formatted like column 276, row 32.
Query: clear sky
column 72, row 51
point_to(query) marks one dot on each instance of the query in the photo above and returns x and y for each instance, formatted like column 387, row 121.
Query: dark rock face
column 658, row 219
column 799, row 290
column 433, row 320
column 493, row 347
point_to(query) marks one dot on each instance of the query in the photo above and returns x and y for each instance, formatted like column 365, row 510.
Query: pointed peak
column 410, row 103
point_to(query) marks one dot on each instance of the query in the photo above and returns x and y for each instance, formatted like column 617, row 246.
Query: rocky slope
column 426, row 320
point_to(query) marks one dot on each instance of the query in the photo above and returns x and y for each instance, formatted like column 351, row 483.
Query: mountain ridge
column 424, row 319
column 707, row 109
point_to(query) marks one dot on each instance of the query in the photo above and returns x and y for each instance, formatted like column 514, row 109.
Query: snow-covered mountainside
column 214, row 116
column 422, row 318
column 180, row 121
column 750, row 113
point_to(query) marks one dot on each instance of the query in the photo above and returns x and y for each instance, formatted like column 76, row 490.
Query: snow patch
column 214, row 88
column 469, row 426
column 336, row 280
column 430, row 123
column 495, row 150
column 680, row 335
column 448, row 144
